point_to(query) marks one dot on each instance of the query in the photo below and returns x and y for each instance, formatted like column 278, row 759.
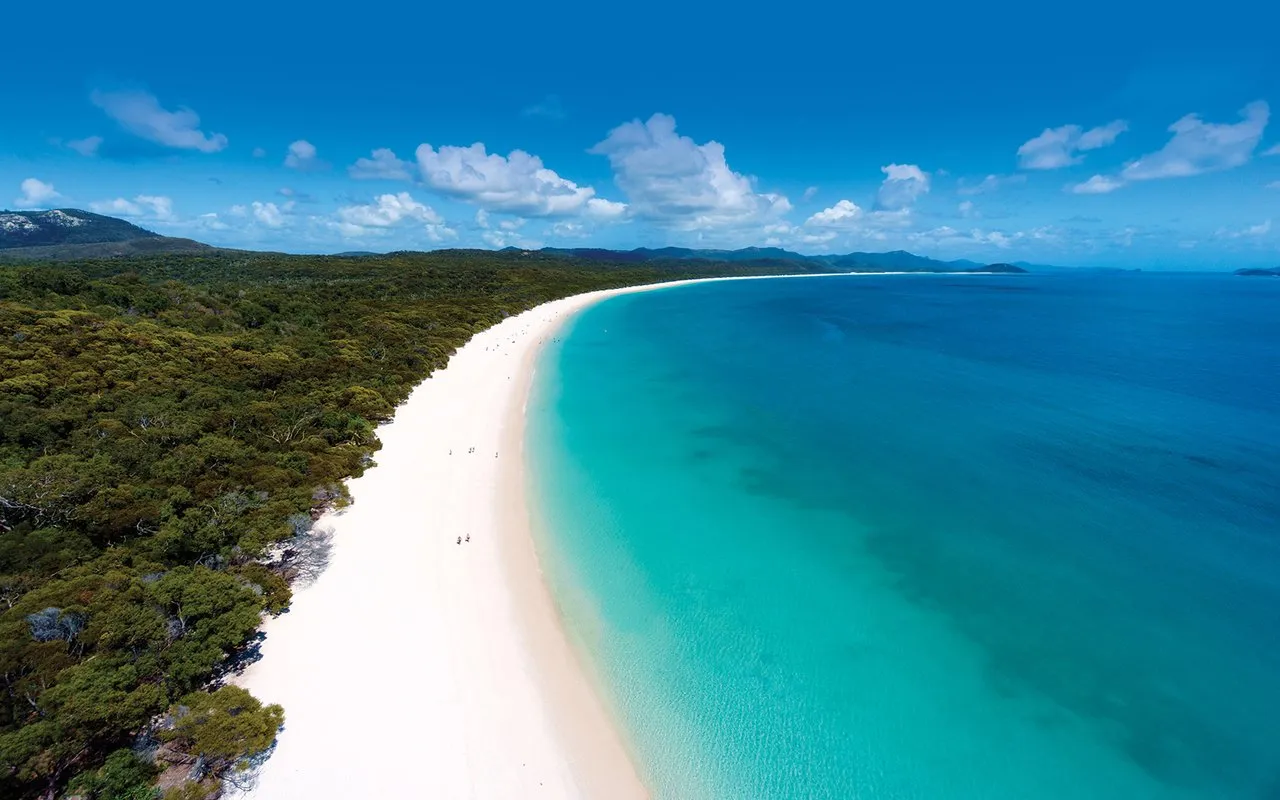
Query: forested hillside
column 169, row 428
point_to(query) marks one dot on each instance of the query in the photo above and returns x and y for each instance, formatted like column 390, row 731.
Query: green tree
column 226, row 728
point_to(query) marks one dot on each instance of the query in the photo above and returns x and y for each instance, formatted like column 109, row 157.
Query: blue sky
column 1090, row 134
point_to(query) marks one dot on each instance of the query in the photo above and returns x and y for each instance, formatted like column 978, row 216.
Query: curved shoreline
column 417, row 666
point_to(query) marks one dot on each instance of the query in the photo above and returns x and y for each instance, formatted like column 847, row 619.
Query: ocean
column 924, row 536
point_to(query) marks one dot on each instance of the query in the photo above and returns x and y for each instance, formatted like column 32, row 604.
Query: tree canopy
column 164, row 423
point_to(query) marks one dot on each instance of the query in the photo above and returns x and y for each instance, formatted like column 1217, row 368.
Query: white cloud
column 384, row 165
column 903, row 183
column 500, row 239
column 302, row 156
column 843, row 214
column 568, row 229
column 966, row 209
column 1098, row 184
column 1273, row 150
column 391, row 211
column 1251, row 232
column 36, row 194
column 991, row 183
column 155, row 208
column 809, row 193
column 119, row 208
column 160, row 208
column 268, row 214
column 211, row 222
column 600, row 208
column 140, row 113
column 1060, row 147
column 515, row 184
column 258, row 152
column 88, row 146
column 997, row 238
column 677, row 183
column 482, row 218
column 952, row 238
column 1198, row 146
column 784, row 234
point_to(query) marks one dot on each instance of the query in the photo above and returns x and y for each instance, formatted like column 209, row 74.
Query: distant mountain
column 1002, row 269
column 1270, row 272
column 896, row 261
column 65, row 226
column 69, row 233
column 66, row 233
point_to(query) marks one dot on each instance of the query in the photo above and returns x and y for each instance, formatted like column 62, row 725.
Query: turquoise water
column 925, row 536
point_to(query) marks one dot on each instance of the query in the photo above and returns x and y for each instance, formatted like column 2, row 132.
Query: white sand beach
column 417, row 667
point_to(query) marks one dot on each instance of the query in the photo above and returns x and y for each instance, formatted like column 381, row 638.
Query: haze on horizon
column 1110, row 136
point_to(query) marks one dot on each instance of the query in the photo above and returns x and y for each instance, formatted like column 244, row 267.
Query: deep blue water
column 925, row 536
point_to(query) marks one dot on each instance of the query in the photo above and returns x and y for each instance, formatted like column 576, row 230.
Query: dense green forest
column 169, row 429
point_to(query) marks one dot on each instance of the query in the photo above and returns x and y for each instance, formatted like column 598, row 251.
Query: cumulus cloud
column 1098, row 184
column 809, row 193
column 383, row 165
column 212, row 222
column 391, row 211
column 1061, row 147
column 144, row 206
column 843, row 214
column 141, row 114
column 88, row 146
column 784, row 234
column 991, row 183
column 499, row 239
column 599, row 208
column 302, row 156
column 518, row 183
column 268, row 214
column 1198, row 146
column 568, row 229
column 966, row 209
column 674, row 182
column 36, row 194
column 902, row 184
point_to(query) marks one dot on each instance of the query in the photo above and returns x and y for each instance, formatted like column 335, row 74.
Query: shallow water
column 925, row 536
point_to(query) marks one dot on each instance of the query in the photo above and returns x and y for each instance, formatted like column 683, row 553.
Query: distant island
column 67, row 234
column 894, row 261
column 1266, row 272
column 1002, row 269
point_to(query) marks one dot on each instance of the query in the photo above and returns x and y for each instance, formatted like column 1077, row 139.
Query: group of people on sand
column 469, row 450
